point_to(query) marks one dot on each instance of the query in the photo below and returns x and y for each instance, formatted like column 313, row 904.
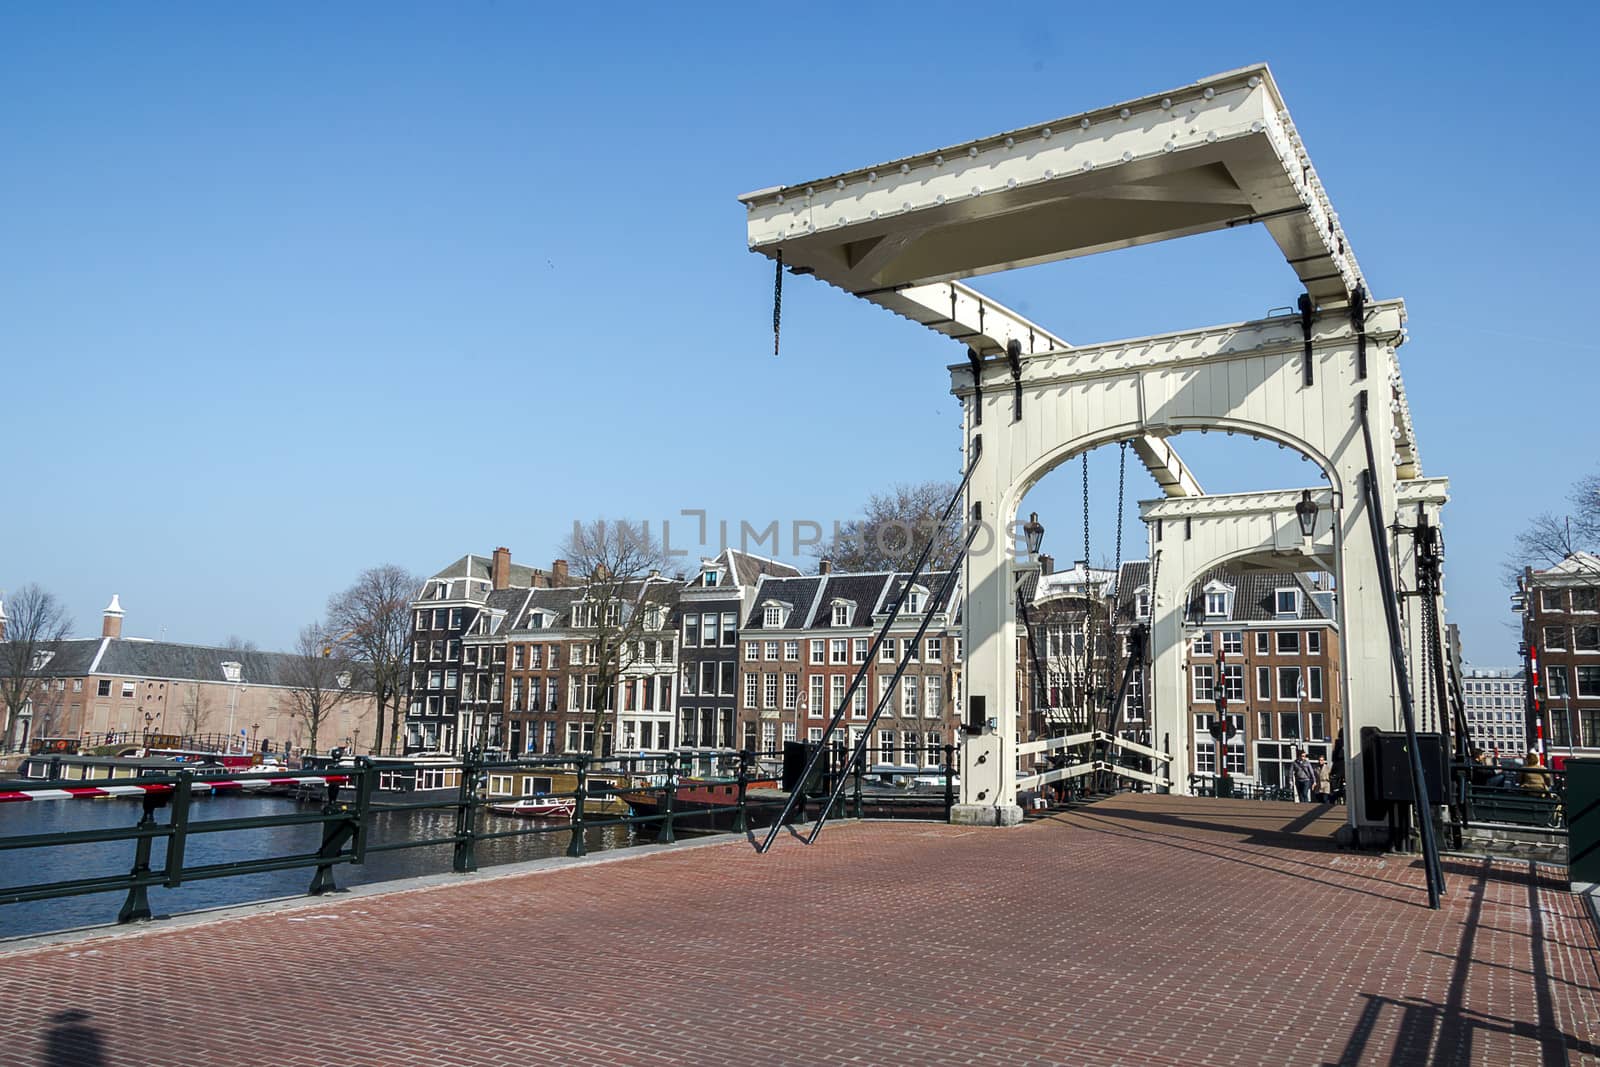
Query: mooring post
column 949, row 780
column 856, row 766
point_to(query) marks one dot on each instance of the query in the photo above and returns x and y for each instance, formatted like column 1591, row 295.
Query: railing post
column 465, row 857
column 856, row 767
column 137, row 907
column 335, row 833
column 364, row 784
column 667, row 836
column 182, row 792
column 949, row 780
column 575, row 845
column 741, row 821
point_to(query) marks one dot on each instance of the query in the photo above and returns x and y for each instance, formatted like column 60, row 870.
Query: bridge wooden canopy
column 1219, row 153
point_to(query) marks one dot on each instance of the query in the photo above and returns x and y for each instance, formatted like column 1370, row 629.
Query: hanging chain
column 777, row 300
column 1122, row 479
column 1086, row 511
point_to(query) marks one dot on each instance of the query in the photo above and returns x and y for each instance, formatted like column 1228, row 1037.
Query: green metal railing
column 346, row 813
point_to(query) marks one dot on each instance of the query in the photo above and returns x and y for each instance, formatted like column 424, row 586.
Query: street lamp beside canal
column 232, row 672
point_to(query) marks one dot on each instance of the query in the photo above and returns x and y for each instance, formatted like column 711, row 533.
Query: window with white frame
column 841, row 613
column 934, row 686
column 915, row 600
column 1586, row 638
column 791, row 691
column 819, row 651
column 1553, row 599
column 1286, row 603
column 1555, row 637
column 860, row 650
column 1558, row 682
column 127, row 689
column 752, row 650
column 1202, row 643
column 886, row 746
column 711, row 577
column 1232, row 643
column 1586, row 598
column 769, row 690
column 887, row 652
column 1263, row 683
column 1289, row 683
column 791, row 651
column 1588, row 681
column 1205, row 681
column 1233, row 681
column 935, row 649
column 1141, row 602
column 1263, row 642
column 750, row 685
column 1288, row 641
column 910, row 694
column 1219, row 600
column 837, row 649
column 1314, row 642
column 772, row 615
column 858, row 703
column 1314, row 683
column 711, row 629
column 836, row 686
column 815, row 703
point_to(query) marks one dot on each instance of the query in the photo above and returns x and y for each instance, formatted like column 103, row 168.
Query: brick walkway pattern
column 1141, row 930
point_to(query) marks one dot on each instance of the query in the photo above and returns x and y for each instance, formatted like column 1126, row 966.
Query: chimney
column 112, row 626
column 825, row 566
column 558, row 573
column 1047, row 563
column 501, row 571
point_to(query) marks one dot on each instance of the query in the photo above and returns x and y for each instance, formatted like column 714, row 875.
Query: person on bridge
column 1535, row 778
column 1324, row 790
column 1303, row 775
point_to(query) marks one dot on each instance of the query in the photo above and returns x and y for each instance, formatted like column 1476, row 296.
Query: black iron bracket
column 1358, row 322
column 976, row 363
column 1307, row 310
column 1014, row 355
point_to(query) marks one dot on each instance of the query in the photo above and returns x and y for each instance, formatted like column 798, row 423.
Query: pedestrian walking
column 1324, row 790
column 1303, row 775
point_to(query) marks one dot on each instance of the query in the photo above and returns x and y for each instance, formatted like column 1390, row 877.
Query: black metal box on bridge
column 1583, row 823
column 1388, row 765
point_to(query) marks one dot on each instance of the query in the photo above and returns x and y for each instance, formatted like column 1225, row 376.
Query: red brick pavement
column 1141, row 930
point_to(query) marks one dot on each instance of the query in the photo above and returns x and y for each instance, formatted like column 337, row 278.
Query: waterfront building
column 1494, row 700
column 115, row 690
column 1562, row 622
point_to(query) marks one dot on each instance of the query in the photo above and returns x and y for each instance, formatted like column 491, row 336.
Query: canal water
column 50, row 864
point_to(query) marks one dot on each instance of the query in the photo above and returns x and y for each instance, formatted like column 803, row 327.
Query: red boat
column 695, row 797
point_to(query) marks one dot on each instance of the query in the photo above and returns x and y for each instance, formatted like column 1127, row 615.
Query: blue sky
column 290, row 290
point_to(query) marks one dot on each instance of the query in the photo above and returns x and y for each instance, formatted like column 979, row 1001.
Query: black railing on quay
column 691, row 790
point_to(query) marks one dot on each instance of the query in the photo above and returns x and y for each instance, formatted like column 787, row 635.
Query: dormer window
column 1286, row 603
column 1219, row 600
column 40, row 659
column 916, row 600
column 711, row 577
column 842, row 610
column 774, row 613
column 1141, row 602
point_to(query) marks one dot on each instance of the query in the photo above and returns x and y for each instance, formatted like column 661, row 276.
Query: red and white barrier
column 198, row 785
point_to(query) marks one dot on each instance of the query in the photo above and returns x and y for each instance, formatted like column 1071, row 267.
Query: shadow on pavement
column 72, row 1042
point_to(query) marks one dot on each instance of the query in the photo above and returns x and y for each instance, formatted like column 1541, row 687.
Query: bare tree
column 35, row 624
column 1550, row 538
column 319, row 677
column 194, row 709
column 621, row 601
column 235, row 643
column 373, row 619
column 890, row 534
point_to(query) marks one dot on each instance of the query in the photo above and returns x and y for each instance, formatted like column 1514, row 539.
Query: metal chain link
column 1122, row 479
column 777, row 300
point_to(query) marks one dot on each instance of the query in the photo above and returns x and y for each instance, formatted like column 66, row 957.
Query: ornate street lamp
column 1033, row 533
column 1306, row 512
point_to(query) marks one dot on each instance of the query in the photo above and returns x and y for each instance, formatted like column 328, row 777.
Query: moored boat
column 537, row 808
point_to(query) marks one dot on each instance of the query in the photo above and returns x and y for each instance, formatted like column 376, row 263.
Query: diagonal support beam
column 990, row 328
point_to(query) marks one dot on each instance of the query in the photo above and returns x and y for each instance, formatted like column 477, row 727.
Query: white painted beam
column 1218, row 153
